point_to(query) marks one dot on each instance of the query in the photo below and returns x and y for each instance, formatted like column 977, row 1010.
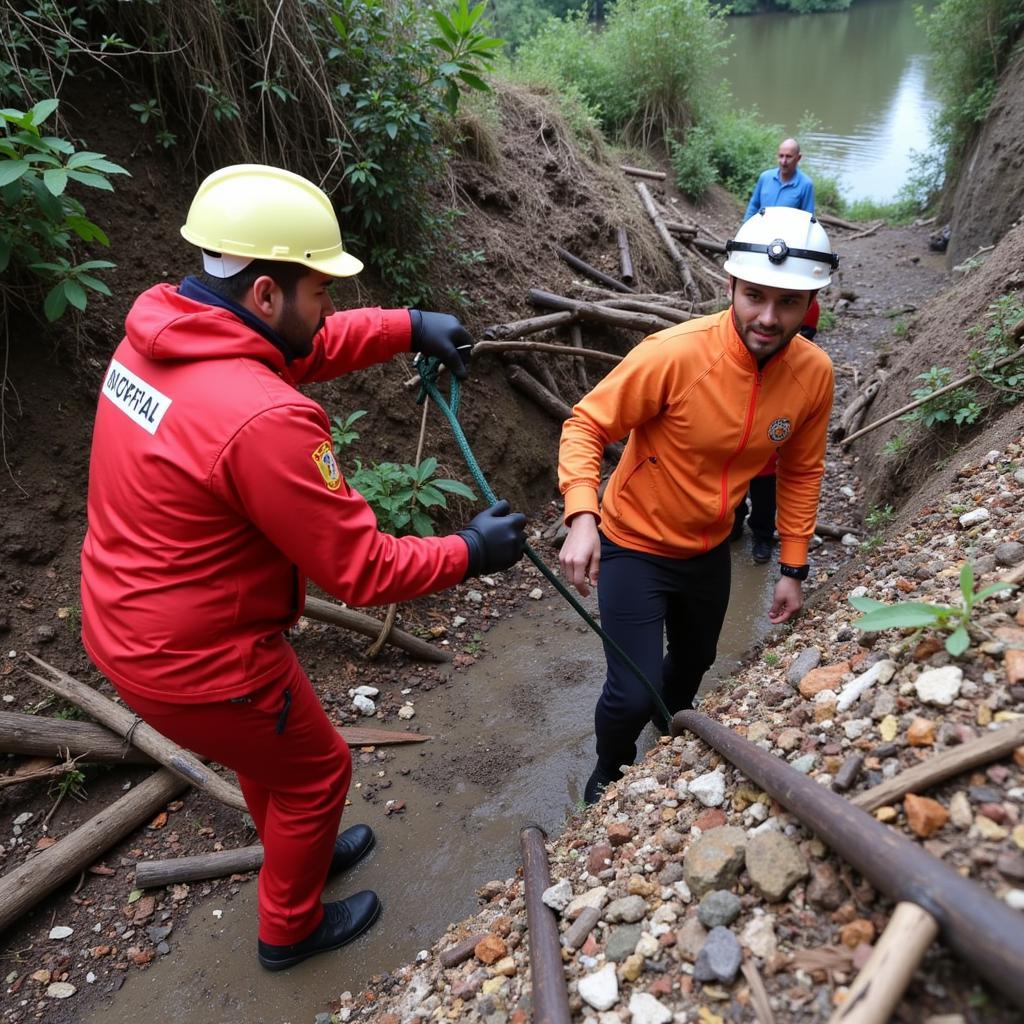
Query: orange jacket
column 702, row 420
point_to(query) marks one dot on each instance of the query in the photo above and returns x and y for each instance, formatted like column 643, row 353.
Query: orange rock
column 490, row 949
column 921, row 733
column 856, row 932
column 828, row 677
column 619, row 833
column 905, row 586
column 926, row 648
column 823, row 711
column 1018, row 757
column 1013, row 662
column 924, row 815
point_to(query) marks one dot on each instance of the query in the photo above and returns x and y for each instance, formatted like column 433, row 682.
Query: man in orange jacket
column 705, row 405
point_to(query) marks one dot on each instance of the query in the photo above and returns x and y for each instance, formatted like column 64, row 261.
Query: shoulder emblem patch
column 779, row 430
column 328, row 466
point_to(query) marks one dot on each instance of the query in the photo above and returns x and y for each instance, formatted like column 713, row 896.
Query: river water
column 862, row 73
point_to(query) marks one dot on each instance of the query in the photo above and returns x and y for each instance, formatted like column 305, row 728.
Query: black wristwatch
column 795, row 572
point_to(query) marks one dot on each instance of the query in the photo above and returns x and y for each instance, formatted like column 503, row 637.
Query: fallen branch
column 592, row 272
column 640, row 172
column 654, row 308
column 51, row 771
column 833, row 530
column 30, row 882
column 359, row 736
column 983, row 750
column 680, row 261
column 592, row 311
column 125, row 723
column 50, row 737
column 532, row 325
column 709, row 246
column 1015, row 333
column 664, row 298
column 579, row 364
column 553, row 406
column 867, row 231
column 853, row 415
column 625, row 257
column 367, row 625
column 838, row 222
column 151, row 874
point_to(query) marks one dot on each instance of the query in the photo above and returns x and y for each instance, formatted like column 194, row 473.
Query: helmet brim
column 775, row 277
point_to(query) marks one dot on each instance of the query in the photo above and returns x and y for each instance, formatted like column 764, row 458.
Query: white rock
column 536, row 594
column 880, row 672
column 972, row 518
column 682, row 891
column 406, row 711
column 90, row 977
column 596, row 898
column 939, row 686
column 474, row 597
column 23, row 818
column 856, row 727
column 488, row 581
column 1015, row 899
column 858, row 592
column 647, row 1010
column 61, row 931
column 557, row 896
column 647, row 945
column 770, row 825
column 759, row 936
column 709, row 789
column 459, row 620
column 641, row 787
column 848, row 491
column 850, row 540
column 363, row 705
column 61, row 990
column 600, row 989
column 824, row 696
column 364, row 691
column 758, row 812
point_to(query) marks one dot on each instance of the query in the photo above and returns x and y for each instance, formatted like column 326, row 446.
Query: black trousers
column 762, row 509
column 643, row 600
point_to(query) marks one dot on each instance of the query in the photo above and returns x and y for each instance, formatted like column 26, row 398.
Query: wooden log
column 554, row 407
column 125, row 723
column 677, row 227
column 707, row 264
column 867, row 231
column 86, row 741
column 709, row 246
column 640, row 172
column 654, row 308
column 592, row 272
column 625, row 257
column 361, row 736
column 542, row 372
column 838, row 222
column 595, row 354
column 30, row 882
column 853, row 415
column 367, row 625
column 151, row 874
column 983, row 750
column 680, row 261
column 663, row 298
column 643, row 322
column 838, row 532
column 879, row 987
column 522, row 328
column 580, row 364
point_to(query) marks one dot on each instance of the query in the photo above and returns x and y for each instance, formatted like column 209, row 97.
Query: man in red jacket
column 214, row 492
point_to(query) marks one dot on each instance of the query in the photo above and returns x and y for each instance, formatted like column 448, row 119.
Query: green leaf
column 42, row 110
column 446, row 27
column 422, row 525
column 75, row 293
column 967, row 583
column 456, row 487
column 867, row 604
column 94, row 283
column 427, row 468
column 96, row 265
column 429, row 496
column 958, row 641
column 95, row 162
column 992, row 588
column 898, row 616
column 92, row 180
column 12, row 170
column 135, row 895
column 57, row 144
column 86, row 230
column 55, row 302
column 56, row 180
column 474, row 82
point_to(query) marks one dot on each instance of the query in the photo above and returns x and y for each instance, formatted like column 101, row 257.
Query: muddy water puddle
column 512, row 745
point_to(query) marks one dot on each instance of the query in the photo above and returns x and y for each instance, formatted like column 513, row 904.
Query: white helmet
column 780, row 247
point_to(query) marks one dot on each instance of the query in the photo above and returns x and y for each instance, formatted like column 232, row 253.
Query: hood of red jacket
column 163, row 324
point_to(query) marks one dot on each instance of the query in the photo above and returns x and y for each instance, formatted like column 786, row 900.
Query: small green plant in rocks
column 921, row 615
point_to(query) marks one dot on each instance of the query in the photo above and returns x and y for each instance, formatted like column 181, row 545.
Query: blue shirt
column 771, row 190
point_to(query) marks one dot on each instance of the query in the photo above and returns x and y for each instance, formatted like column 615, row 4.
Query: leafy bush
column 959, row 406
column 403, row 497
column 693, row 162
column 40, row 220
column 993, row 358
column 917, row 614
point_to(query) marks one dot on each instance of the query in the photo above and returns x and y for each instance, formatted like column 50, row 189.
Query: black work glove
column 495, row 538
column 441, row 335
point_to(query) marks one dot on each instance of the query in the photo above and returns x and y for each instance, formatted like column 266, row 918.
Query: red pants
column 294, row 770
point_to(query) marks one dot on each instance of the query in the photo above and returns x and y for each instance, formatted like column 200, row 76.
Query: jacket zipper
column 747, row 427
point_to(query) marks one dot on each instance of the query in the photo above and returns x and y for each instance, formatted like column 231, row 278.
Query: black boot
column 351, row 847
column 600, row 778
column 344, row 920
column 761, row 550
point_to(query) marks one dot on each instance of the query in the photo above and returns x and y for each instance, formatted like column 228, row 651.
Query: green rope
column 428, row 387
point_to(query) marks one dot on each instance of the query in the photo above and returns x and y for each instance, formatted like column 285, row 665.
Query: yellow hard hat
column 256, row 212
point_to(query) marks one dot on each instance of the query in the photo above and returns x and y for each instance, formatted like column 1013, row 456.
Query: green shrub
column 40, row 222
column 693, row 162
column 959, row 406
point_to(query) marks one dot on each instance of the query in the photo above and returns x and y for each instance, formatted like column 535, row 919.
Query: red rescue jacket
column 214, row 492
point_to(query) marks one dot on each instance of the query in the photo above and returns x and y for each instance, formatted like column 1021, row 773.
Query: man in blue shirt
column 787, row 186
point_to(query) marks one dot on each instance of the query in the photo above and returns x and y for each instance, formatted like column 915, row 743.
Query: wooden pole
column 51, row 737
column 625, row 257
column 126, row 723
column 983, row 750
column 32, row 881
column 592, row 272
column 580, row 365
column 593, row 311
column 367, row 625
column 655, row 309
column 151, row 874
column 640, row 172
column 873, row 997
column 521, row 328
column 682, row 265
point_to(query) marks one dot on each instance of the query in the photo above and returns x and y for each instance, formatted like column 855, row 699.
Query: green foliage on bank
column 971, row 42
column 790, row 6
column 359, row 95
